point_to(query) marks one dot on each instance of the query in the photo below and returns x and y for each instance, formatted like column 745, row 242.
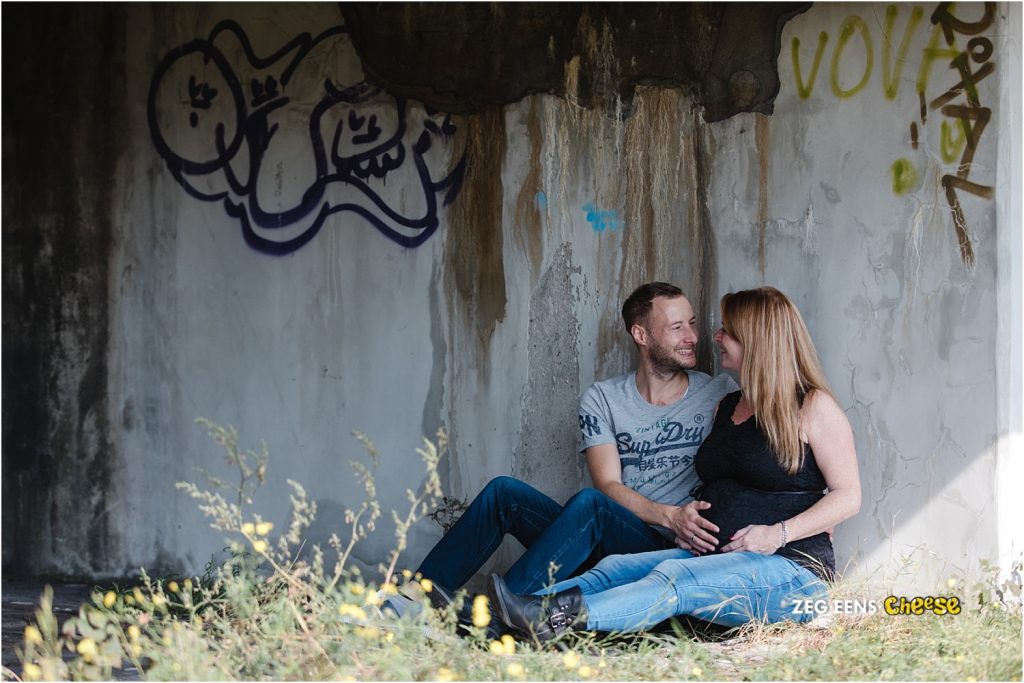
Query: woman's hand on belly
column 755, row 538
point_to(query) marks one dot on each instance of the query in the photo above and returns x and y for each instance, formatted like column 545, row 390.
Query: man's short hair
column 637, row 308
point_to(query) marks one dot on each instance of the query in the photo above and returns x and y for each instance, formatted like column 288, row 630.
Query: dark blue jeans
column 590, row 526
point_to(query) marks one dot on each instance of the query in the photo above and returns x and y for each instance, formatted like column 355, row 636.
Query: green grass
column 264, row 614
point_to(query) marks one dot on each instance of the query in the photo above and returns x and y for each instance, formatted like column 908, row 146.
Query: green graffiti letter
column 904, row 176
column 949, row 148
column 846, row 31
column 805, row 90
column 890, row 79
column 931, row 53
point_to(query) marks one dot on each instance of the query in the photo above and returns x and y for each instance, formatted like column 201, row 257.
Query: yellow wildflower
column 406, row 573
column 445, row 674
column 951, row 582
column 585, row 671
column 32, row 635
column 188, row 584
column 134, row 632
column 571, row 660
column 159, row 601
column 481, row 612
column 173, row 586
column 372, row 600
column 263, row 528
column 139, row 597
column 602, row 664
column 427, row 585
column 129, row 600
column 87, row 648
column 349, row 610
column 248, row 528
column 496, row 647
column 508, row 644
column 697, row 672
column 357, row 588
column 136, row 650
column 389, row 636
column 389, row 589
column 515, row 669
column 259, row 546
column 109, row 598
column 32, row 672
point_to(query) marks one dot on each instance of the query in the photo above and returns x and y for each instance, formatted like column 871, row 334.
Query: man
column 640, row 432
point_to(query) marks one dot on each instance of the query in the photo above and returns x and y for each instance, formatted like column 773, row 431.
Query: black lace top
column 745, row 485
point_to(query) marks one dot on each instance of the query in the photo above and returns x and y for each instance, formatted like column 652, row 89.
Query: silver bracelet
column 785, row 534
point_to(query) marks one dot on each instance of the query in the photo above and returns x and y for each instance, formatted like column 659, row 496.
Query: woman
column 775, row 447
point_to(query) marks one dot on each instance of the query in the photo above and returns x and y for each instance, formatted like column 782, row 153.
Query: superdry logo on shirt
column 673, row 436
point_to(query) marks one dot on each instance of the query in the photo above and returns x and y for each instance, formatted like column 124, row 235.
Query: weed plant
column 265, row 614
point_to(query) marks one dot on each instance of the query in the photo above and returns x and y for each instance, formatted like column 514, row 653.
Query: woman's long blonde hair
column 780, row 366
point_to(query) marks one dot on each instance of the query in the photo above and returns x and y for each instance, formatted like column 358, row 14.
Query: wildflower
column 259, row 546
column 445, row 674
column 349, row 610
column 960, row 658
column 133, row 632
column 248, row 528
column 602, row 664
column 129, row 600
column 136, row 650
column 571, row 660
column 508, row 644
column 407, row 574
column 32, row 635
column 951, row 582
column 197, row 621
column 515, row 669
column 427, row 585
column 109, row 598
column 368, row 632
column 159, row 601
column 496, row 647
column 263, row 528
column 139, row 597
column 585, row 671
column 188, row 584
column 32, row 672
column 481, row 612
column 173, row 586
column 697, row 672
column 372, row 600
column 389, row 589
column 87, row 648
column 357, row 588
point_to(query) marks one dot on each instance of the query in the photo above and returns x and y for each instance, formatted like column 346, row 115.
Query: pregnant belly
column 734, row 506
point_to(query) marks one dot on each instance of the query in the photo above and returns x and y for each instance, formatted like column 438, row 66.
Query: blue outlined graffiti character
column 284, row 143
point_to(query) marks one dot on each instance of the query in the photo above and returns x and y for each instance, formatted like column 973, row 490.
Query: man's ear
column 639, row 334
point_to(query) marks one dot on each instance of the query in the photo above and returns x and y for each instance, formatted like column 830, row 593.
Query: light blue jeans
column 633, row 592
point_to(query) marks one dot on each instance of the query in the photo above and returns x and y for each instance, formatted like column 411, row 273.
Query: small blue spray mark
column 601, row 220
column 542, row 201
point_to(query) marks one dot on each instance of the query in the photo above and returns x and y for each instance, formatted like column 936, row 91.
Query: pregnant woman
column 779, row 471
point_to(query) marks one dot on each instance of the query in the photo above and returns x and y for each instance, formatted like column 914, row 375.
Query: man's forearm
column 640, row 505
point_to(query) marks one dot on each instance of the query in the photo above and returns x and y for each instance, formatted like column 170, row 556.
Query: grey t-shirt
column 656, row 444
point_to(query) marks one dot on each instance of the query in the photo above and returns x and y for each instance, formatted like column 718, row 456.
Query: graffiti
column 284, row 146
column 964, row 122
column 601, row 220
column 904, row 176
column 541, row 200
column 846, row 31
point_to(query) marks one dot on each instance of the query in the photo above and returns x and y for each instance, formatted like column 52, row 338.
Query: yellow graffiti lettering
column 891, row 77
column 904, row 176
column 802, row 89
column 950, row 148
column 931, row 53
column 850, row 26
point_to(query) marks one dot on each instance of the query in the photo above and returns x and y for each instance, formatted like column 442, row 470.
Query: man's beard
column 662, row 360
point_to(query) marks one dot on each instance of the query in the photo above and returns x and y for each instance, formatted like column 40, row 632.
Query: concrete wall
column 243, row 229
